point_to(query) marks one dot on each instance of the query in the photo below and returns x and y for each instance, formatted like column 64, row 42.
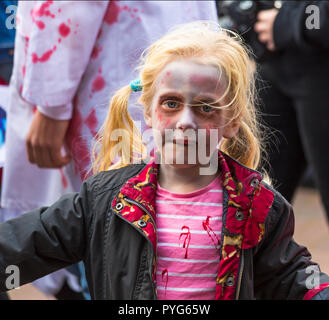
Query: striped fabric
column 189, row 232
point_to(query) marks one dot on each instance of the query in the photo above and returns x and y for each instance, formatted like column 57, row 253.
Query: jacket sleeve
column 282, row 268
column 292, row 25
column 46, row 239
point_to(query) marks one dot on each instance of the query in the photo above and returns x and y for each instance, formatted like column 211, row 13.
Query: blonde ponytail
column 119, row 140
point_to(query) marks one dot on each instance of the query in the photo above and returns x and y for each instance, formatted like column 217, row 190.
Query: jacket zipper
column 139, row 205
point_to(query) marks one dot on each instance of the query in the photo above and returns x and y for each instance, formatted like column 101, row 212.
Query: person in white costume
column 70, row 57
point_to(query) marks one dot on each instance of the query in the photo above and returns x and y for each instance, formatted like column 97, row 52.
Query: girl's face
column 186, row 134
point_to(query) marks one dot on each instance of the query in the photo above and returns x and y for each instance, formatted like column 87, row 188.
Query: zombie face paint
column 183, row 114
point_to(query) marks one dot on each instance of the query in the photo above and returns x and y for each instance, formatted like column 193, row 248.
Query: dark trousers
column 299, row 125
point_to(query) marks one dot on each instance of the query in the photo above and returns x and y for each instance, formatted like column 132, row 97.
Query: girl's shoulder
column 112, row 179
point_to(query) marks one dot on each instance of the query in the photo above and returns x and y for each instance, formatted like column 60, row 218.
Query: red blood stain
column 34, row 109
column 26, row 45
column 23, row 70
column 112, row 13
column 43, row 10
column 211, row 233
column 139, row 19
column 98, row 84
column 187, row 239
column 76, row 144
column 59, row 10
column 40, row 24
column 40, row 12
column 64, row 30
column 64, row 180
column 59, row 40
column 92, row 122
column 163, row 274
column 135, row 10
column 45, row 57
column 132, row 15
column 99, row 34
column 20, row 89
column 95, row 53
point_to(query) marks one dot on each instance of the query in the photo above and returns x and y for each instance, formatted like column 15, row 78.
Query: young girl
column 181, row 225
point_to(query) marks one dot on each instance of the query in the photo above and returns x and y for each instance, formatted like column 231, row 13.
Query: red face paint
column 64, row 30
column 98, row 84
column 112, row 13
column 187, row 239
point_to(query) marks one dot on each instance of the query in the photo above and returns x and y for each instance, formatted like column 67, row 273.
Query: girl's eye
column 207, row 109
column 171, row 104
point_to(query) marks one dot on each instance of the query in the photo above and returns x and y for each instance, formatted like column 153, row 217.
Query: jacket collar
column 243, row 185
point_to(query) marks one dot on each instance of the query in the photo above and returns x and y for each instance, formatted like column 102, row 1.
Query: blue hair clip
column 136, row 85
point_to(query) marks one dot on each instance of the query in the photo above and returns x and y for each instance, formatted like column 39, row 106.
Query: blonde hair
column 211, row 45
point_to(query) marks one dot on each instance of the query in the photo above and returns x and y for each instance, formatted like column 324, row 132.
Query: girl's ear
column 231, row 129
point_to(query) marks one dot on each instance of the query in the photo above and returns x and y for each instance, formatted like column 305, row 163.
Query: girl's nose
column 186, row 119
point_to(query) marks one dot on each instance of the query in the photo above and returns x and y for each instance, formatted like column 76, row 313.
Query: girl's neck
column 183, row 180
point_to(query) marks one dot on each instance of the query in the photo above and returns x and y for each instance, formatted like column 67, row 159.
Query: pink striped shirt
column 189, row 231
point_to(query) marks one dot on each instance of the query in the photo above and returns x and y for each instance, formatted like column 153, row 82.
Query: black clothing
column 119, row 257
column 294, row 99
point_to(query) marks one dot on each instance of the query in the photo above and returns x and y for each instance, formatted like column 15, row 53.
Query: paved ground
column 311, row 230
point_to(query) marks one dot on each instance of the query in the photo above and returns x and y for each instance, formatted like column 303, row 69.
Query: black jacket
column 101, row 226
column 300, row 65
